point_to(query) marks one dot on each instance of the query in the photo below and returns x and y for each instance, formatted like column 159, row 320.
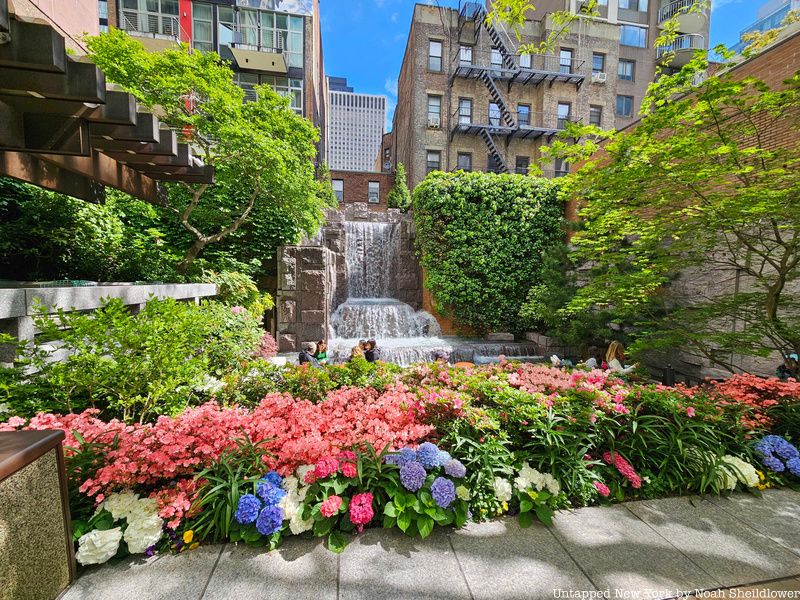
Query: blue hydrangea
column 406, row 455
column 428, row 455
column 443, row 458
column 454, row 468
column 793, row 465
column 443, row 491
column 774, row 464
column 274, row 478
column 269, row 493
column 247, row 509
column 774, row 450
column 412, row 476
column 269, row 520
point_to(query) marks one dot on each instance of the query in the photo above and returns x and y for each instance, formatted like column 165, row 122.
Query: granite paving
column 739, row 546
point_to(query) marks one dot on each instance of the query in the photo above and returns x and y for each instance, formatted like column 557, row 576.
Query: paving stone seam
column 572, row 558
column 460, row 568
column 681, row 552
column 213, row 569
column 754, row 528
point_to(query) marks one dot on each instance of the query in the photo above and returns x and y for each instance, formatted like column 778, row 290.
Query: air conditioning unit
column 598, row 77
column 434, row 124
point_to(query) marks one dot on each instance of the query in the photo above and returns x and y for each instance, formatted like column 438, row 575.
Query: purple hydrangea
column 404, row 456
column 774, row 450
column 269, row 493
column 793, row 465
column 428, row 455
column 454, row 468
column 247, row 509
column 443, row 458
column 273, row 478
column 412, row 476
column 443, row 491
column 773, row 464
column 269, row 520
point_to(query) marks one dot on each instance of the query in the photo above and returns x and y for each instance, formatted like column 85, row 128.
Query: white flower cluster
column 735, row 469
column 292, row 502
column 144, row 529
column 527, row 478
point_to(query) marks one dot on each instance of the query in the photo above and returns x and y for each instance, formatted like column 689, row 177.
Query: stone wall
column 312, row 276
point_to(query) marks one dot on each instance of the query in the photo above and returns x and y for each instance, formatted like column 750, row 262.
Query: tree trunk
column 193, row 252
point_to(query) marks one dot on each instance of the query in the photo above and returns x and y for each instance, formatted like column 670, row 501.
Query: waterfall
column 404, row 336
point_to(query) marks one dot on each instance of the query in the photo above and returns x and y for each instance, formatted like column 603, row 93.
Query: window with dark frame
column 493, row 164
column 598, row 62
column 433, row 160
column 524, row 114
column 464, row 161
column 595, row 115
column 561, row 167
column 565, row 60
column 465, row 111
column 626, row 69
column 434, row 111
column 522, row 164
column 625, row 106
column 494, row 114
column 374, row 192
column 465, row 55
column 435, row 56
column 564, row 112
column 338, row 188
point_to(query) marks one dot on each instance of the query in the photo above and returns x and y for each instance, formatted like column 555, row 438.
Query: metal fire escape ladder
column 494, row 151
column 498, row 99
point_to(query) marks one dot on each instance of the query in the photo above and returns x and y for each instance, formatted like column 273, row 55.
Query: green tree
column 262, row 151
column 399, row 196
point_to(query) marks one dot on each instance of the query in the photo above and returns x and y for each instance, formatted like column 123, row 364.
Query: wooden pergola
column 61, row 128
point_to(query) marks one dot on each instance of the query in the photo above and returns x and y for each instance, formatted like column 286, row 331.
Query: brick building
column 467, row 99
column 361, row 186
column 275, row 42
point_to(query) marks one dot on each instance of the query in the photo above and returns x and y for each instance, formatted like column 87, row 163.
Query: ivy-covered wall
column 481, row 238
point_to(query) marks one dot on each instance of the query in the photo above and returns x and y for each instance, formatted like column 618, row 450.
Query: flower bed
column 413, row 449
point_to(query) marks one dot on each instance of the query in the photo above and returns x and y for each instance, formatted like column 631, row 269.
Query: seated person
column 615, row 357
column 440, row 357
column 371, row 352
column 595, row 360
column 788, row 368
column 322, row 352
column 307, row 350
column 357, row 352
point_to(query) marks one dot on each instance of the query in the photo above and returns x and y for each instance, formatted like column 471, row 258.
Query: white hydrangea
column 298, row 525
column 121, row 504
column 290, row 504
column 290, row 483
column 502, row 489
column 96, row 547
column 531, row 478
column 303, row 470
column 551, row 483
column 143, row 531
column 740, row 470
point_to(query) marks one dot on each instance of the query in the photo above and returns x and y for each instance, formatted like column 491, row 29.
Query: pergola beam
column 36, row 47
column 81, row 82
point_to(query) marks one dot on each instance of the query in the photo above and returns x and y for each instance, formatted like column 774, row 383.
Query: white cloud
column 390, row 106
column 391, row 86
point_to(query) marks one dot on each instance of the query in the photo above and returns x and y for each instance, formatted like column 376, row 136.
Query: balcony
column 529, row 125
column 695, row 21
column 156, row 31
column 682, row 49
column 525, row 69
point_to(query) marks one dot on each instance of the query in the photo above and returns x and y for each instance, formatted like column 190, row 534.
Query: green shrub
column 399, row 196
column 481, row 238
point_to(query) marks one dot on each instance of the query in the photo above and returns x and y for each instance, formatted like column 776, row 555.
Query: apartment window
column 285, row 33
column 226, row 25
column 640, row 5
column 434, row 111
column 493, row 164
column 497, row 59
column 433, row 160
column 202, row 27
column 465, row 111
column 561, row 167
column 289, row 88
column 524, row 114
column 595, row 115
column 435, row 56
column 565, row 60
column 494, row 114
column 626, row 69
column 525, row 61
column 464, row 162
column 150, row 16
column 338, row 188
column 632, row 35
column 625, row 106
column 465, row 55
column 598, row 63
column 374, row 192
column 564, row 110
column 522, row 164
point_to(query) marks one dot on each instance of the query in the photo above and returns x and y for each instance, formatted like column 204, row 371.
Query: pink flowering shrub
column 624, row 467
column 267, row 347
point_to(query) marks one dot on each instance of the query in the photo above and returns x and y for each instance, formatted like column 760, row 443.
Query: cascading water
column 404, row 336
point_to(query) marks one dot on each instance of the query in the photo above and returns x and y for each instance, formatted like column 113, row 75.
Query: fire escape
column 505, row 68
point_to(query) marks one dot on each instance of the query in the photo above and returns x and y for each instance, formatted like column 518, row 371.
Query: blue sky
column 364, row 40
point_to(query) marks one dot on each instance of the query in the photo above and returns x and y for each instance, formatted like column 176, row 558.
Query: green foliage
column 135, row 367
column 262, row 151
column 238, row 289
column 481, row 238
column 399, row 196
column 236, row 472
column 314, row 383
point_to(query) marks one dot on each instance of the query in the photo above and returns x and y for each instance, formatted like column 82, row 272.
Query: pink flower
column 16, row 422
column 326, row 466
column 621, row 408
column 347, row 463
column 624, row 468
column 330, row 506
column 690, row 412
column 602, row 489
column 361, row 511
column 237, row 310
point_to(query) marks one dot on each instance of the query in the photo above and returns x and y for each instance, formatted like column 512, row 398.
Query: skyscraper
column 355, row 127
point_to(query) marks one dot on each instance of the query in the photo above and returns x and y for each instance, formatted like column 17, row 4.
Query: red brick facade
column 356, row 186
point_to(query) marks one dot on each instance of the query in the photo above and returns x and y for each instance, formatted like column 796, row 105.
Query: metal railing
column 687, row 41
column 675, row 7
column 546, row 63
column 151, row 24
column 525, row 119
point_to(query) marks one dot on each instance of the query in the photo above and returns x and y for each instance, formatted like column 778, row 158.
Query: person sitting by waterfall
column 615, row 357
column 322, row 352
column 307, row 351
column 595, row 360
column 371, row 353
column 357, row 352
